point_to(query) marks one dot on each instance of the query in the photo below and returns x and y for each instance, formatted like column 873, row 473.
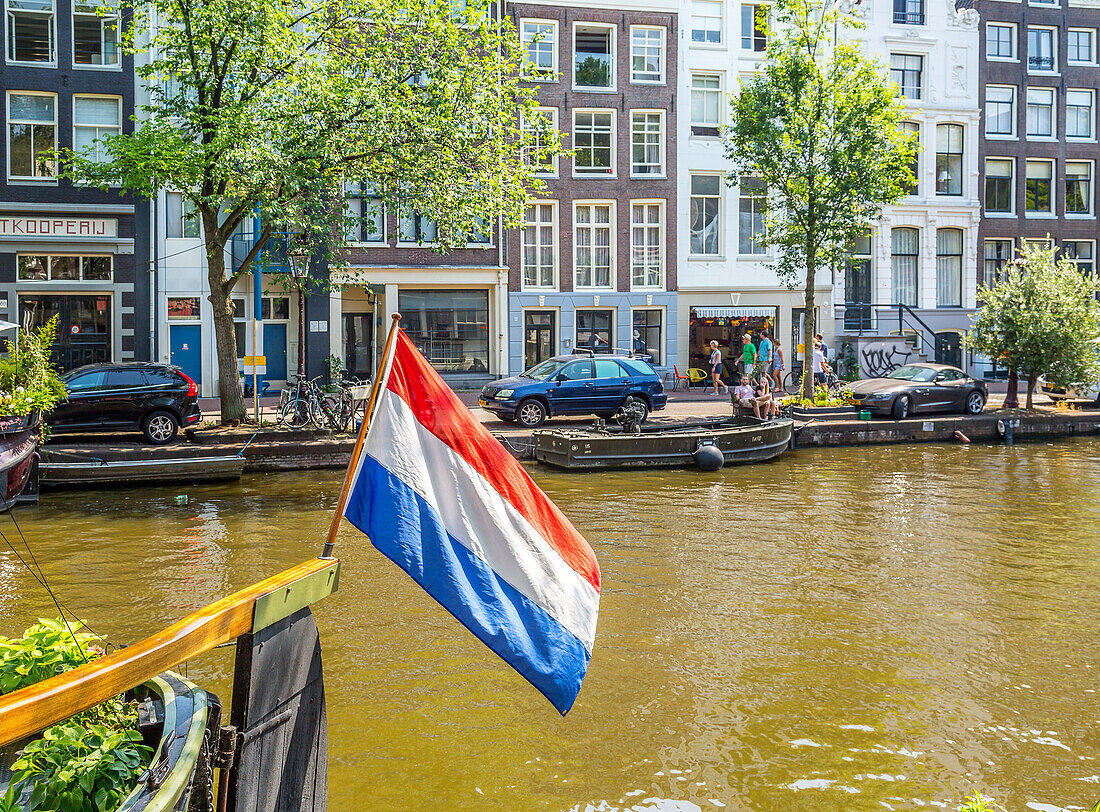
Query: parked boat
column 95, row 471
column 705, row 444
column 18, row 442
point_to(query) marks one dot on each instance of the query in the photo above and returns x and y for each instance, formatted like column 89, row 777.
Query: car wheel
column 975, row 402
column 900, row 411
column 531, row 413
column 160, row 428
column 630, row 399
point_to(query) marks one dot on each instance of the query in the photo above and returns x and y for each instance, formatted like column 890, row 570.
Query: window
column 65, row 268
column 450, row 327
column 1000, row 110
column 906, row 69
column 32, row 135
column 540, row 251
column 949, row 159
column 412, row 226
column 647, row 334
column 998, row 185
column 32, row 31
column 752, row 201
column 1079, row 46
column 914, row 167
column 1037, row 197
column 1079, row 116
column 706, row 103
column 903, row 265
column 706, row 199
column 366, row 213
column 594, row 142
column 997, row 254
column 594, row 56
column 647, row 266
column 1040, row 112
column 540, row 38
column 595, row 254
column 706, row 21
column 1083, row 254
column 1040, row 49
column 1078, row 187
column 185, row 309
column 239, row 325
column 540, row 125
column 594, row 333
column 647, row 54
column 754, row 33
column 181, row 219
column 949, row 248
column 909, row 12
column 95, row 118
column 95, row 35
column 275, row 308
column 647, row 143
column 1000, row 41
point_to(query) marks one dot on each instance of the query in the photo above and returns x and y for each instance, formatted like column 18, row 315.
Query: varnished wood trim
column 46, row 703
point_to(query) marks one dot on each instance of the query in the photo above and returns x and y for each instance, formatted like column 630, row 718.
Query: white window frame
column 1053, row 30
column 662, row 245
column 1011, row 183
column 1052, row 212
column 612, row 241
column 25, row 179
column 662, row 54
column 555, row 243
column 756, row 5
column 1090, row 213
column 661, row 145
column 50, row 256
column 1052, row 94
column 9, row 42
column 612, row 171
column 354, row 192
column 1092, row 46
column 924, row 60
column 664, row 327
column 614, row 311
column 717, row 92
column 410, row 211
column 719, row 215
column 1044, row 3
column 1013, row 116
column 552, row 171
column 692, row 17
column 1092, row 250
column 1091, row 137
column 117, row 129
column 535, row 73
column 1013, row 30
column 183, row 203
column 753, row 239
column 103, row 19
column 614, row 48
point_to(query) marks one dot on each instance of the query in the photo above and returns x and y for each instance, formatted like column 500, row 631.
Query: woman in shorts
column 716, row 369
column 777, row 364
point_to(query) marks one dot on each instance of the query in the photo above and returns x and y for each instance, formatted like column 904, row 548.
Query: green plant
column 46, row 649
column 977, row 803
column 849, row 366
column 28, row 381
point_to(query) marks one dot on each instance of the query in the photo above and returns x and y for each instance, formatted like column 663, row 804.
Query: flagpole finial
column 396, row 317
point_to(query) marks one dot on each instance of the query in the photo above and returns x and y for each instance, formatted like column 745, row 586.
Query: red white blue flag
column 441, row 498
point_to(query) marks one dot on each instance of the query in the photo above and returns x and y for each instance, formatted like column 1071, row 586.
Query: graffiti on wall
column 879, row 360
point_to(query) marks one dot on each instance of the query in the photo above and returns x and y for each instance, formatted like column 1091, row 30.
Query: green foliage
column 822, row 397
column 1041, row 318
column 46, row 649
column 28, row 380
column 849, row 365
column 593, row 72
column 977, row 803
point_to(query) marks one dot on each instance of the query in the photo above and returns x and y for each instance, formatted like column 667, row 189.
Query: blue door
column 275, row 351
column 185, row 344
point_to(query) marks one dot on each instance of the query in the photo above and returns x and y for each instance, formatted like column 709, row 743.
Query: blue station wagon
column 574, row 384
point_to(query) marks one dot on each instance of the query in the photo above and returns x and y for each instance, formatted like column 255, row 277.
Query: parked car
column 575, row 384
column 155, row 399
column 1079, row 391
column 919, row 389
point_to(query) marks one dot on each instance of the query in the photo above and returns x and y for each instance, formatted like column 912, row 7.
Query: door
column 275, row 352
column 573, row 394
column 610, row 385
column 538, row 337
column 359, row 344
column 949, row 349
column 857, row 294
column 955, row 388
column 83, row 326
column 185, row 349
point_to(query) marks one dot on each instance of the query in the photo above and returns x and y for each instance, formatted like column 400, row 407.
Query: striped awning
column 732, row 312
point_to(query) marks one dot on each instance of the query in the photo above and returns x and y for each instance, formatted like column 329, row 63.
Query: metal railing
column 862, row 318
column 908, row 17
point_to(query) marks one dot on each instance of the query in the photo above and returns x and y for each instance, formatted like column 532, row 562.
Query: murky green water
column 841, row 629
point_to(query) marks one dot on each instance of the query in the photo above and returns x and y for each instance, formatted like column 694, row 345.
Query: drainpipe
column 154, row 272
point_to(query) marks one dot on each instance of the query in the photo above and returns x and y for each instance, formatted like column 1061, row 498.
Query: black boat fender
column 708, row 458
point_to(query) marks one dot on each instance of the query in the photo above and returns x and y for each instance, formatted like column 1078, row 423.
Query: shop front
column 727, row 326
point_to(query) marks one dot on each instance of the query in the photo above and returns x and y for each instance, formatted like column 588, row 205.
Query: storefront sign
column 58, row 227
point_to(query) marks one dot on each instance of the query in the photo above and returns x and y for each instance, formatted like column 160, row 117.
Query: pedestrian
column 716, row 369
column 819, row 364
column 765, row 357
column 777, row 364
column 748, row 354
column 824, row 347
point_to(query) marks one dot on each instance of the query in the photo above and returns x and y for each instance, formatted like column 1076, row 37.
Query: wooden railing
column 46, row 703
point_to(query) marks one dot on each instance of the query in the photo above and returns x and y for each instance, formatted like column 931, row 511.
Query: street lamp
column 299, row 268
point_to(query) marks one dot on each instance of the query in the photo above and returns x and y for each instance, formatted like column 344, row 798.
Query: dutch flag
column 442, row 499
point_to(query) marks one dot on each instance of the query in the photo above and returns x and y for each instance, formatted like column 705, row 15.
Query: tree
column 1041, row 318
column 820, row 125
column 264, row 108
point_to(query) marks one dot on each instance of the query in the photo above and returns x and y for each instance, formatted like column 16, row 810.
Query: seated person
column 764, row 397
column 745, row 395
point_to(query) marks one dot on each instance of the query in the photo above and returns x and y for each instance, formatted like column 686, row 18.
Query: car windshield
column 540, row 372
column 913, row 373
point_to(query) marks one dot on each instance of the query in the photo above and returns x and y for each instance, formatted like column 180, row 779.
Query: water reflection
column 864, row 628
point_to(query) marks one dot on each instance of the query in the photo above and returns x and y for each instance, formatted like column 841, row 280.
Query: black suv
column 154, row 399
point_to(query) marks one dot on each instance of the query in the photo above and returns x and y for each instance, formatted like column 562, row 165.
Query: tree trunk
column 225, row 336
column 1011, row 399
column 808, row 326
column 1031, row 379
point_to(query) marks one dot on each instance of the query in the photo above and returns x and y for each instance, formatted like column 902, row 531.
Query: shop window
column 752, row 204
column 1040, row 112
column 1079, row 115
column 32, row 31
column 594, row 142
column 904, row 251
column 595, row 254
column 998, row 185
column 181, row 218
column 275, row 308
column 646, row 248
column 706, row 199
column 1082, row 253
column 906, row 70
column 647, row 334
column 1078, row 187
column 998, row 253
column 949, row 159
column 647, row 143
column 540, row 38
column 64, row 268
column 754, row 34
column 706, row 104
column 95, row 34
column 949, row 244
column 594, row 56
column 540, row 246
column 706, row 22
column 538, row 126
column 1037, row 183
column 32, row 136
column 647, row 54
column 184, row 309
column 594, row 330
column 914, row 166
column 94, row 119
column 450, row 327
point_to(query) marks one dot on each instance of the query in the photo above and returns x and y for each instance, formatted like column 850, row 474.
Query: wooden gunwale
column 36, row 707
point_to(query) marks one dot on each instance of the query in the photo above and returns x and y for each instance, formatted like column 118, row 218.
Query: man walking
column 766, row 356
column 748, row 354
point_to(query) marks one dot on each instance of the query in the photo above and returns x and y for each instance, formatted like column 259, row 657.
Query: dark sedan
column 154, row 399
column 920, row 389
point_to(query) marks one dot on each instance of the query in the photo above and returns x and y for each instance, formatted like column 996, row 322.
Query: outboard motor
column 630, row 417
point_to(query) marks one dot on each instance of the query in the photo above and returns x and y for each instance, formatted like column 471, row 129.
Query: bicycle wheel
column 792, row 383
column 295, row 413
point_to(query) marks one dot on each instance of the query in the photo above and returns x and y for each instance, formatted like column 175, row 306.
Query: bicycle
column 792, row 382
column 304, row 403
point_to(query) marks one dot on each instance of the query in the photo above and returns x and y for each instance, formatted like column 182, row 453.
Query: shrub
column 28, row 380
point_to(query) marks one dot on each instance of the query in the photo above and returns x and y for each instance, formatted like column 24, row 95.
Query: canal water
column 840, row 629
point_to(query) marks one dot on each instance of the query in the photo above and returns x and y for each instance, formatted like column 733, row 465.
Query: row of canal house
column 638, row 241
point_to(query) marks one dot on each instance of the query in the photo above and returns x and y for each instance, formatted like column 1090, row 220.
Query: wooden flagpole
column 380, row 382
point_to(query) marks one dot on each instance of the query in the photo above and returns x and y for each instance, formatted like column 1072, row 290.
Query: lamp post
column 299, row 267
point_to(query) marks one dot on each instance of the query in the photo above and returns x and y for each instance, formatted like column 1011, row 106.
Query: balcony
column 908, row 17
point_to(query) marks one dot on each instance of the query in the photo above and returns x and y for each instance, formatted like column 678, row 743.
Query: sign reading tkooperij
column 58, row 227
